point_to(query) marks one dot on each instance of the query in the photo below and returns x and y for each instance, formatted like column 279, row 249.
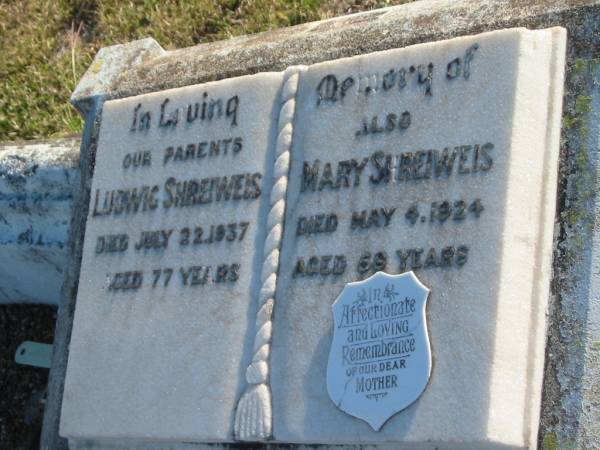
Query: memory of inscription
column 391, row 170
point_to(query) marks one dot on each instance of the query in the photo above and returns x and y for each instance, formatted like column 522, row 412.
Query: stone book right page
column 439, row 158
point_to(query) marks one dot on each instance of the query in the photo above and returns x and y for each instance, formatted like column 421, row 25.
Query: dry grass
column 46, row 45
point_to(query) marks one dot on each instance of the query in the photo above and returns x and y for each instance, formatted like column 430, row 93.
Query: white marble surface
column 489, row 269
column 167, row 363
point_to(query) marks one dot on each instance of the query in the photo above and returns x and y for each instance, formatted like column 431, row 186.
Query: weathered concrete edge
column 567, row 419
column 37, row 184
column 89, row 97
column 571, row 408
column 382, row 29
column 110, row 63
column 50, row 438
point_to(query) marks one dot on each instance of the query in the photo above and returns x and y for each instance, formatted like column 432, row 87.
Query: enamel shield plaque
column 380, row 358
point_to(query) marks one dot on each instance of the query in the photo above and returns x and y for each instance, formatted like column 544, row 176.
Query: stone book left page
column 172, row 261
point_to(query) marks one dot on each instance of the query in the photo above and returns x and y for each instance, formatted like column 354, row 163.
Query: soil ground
column 22, row 388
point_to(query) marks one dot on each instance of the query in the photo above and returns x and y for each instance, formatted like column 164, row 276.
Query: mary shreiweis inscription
column 380, row 358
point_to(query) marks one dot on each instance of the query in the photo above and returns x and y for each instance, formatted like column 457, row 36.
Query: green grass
column 42, row 54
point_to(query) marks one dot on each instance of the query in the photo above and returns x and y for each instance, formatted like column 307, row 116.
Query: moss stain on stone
column 576, row 123
column 583, row 104
column 551, row 441
column 563, row 425
column 97, row 65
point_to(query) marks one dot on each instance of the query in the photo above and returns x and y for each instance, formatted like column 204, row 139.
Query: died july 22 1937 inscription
column 226, row 218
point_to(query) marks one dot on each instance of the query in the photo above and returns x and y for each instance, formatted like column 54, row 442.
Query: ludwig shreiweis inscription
column 380, row 360
column 174, row 193
column 173, row 230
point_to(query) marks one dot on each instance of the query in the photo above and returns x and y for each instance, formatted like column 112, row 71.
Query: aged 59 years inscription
column 380, row 360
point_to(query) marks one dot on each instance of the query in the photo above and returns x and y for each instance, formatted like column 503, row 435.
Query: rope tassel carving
column 253, row 417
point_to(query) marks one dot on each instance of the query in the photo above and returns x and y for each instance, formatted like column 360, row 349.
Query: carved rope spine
column 253, row 417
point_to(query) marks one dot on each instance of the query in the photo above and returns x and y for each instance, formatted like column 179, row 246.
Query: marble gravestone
column 226, row 218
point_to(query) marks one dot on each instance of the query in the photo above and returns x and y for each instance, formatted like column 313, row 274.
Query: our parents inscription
column 177, row 192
